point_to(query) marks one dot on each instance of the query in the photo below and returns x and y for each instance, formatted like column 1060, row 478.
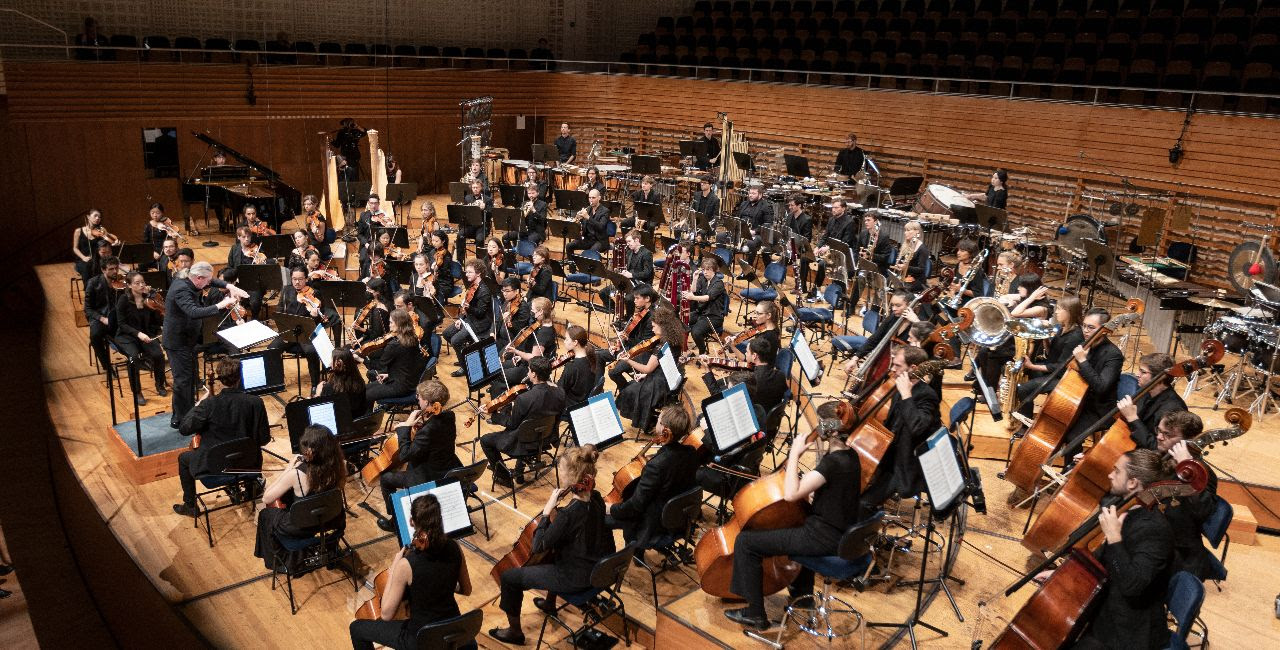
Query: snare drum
column 940, row 199
column 513, row 171
column 1233, row 332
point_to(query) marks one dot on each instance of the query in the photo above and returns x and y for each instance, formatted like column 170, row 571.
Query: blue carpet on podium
column 157, row 437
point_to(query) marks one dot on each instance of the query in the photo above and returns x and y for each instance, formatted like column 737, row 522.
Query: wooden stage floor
column 207, row 584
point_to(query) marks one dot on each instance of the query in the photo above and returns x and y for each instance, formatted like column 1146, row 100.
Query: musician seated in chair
column 876, row 252
column 476, row 315
column 1144, row 414
column 645, row 194
column 595, row 226
column 515, row 312
column 639, row 268
column 1034, row 304
column 708, row 303
column 319, row 467
column 667, row 474
column 834, row 485
column 843, row 228
column 227, row 416
column 541, row 398
column 861, row 346
column 764, row 315
column 913, row 415
column 1187, row 516
column 290, row 304
column 639, row 399
column 757, row 213
column 426, row 440
column 541, row 284
column 539, row 342
column 765, row 383
column 1067, row 315
column 533, row 224
column 477, row 196
column 577, row 536
column 425, row 574
column 1099, row 366
column 395, row 371
column 636, row 330
column 1138, row 557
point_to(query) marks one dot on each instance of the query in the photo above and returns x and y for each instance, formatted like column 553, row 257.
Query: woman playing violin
column 320, row 467
column 639, row 399
column 765, row 321
column 536, row 339
column 426, row 445
column 85, row 241
column 583, row 370
column 637, row 329
column 373, row 320
column 258, row 226
column 138, row 323
column 578, row 536
column 398, row 366
column 157, row 229
column 834, row 485
column 540, row 283
column 246, row 250
column 426, row 574
column 301, row 248
column 497, row 265
column 441, row 264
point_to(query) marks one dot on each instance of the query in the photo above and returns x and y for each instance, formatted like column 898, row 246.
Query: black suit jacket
column 479, row 313
column 911, row 421
column 767, row 387
column 596, row 227
column 879, row 254
column 1186, row 520
column 536, row 221
column 708, row 205
column 100, row 299
column 1150, row 411
column 640, row 263
column 540, row 399
column 843, row 229
column 802, row 225
column 183, row 312
column 1131, row 613
column 671, row 471
column 757, row 214
column 1101, row 370
column 431, row 453
column 224, row 417
column 579, row 537
column 402, row 364
column 540, row 283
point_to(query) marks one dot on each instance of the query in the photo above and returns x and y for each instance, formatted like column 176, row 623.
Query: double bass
column 1055, row 615
column 1088, row 481
column 1059, row 412
column 877, row 362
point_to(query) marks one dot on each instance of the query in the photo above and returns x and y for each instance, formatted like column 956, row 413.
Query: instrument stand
column 1231, row 384
column 914, row 619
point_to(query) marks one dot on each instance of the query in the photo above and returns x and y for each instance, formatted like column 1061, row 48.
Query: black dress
column 997, row 198
column 274, row 524
column 578, row 380
column 638, row 401
column 430, row 596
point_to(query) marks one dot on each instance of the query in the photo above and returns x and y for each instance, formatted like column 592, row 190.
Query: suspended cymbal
column 1214, row 303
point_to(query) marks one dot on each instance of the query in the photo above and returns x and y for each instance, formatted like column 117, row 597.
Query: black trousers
column 493, row 444
column 474, row 233
column 584, row 244
column 305, row 349
column 182, row 365
column 515, row 582
column 1034, row 386
column 754, row 546
column 99, row 336
column 136, row 350
column 702, row 327
column 461, row 339
column 509, row 238
column 186, row 477
column 392, row 634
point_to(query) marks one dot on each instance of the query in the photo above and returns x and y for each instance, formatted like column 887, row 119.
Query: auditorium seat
column 218, row 50
column 1024, row 44
column 1118, row 45
column 1043, row 70
column 1084, row 45
column 1106, row 72
column 1226, row 47
column 1152, row 46
column 1217, row 77
column 157, row 44
column 1011, row 69
column 1142, row 74
column 1054, row 45
column 1179, row 75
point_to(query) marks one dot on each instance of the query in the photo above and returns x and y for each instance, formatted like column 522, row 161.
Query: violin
column 471, row 293
column 523, row 335
column 369, row 347
column 100, row 232
column 154, row 301
column 512, row 308
column 440, row 254
column 639, row 348
column 261, row 229
column 308, row 298
column 417, row 329
column 382, row 219
column 362, row 316
column 377, row 268
column 498, row 403
column 745, row 335
column 395, row 252
column 117, row 282
column 166, row 225
column 636, row 318
column 316, row 225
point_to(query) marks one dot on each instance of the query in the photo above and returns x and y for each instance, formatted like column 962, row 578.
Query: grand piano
column 237, row 185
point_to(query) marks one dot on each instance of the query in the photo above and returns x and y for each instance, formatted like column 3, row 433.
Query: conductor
column 184, row 310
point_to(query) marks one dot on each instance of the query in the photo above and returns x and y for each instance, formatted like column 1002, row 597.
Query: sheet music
column 253, row 373
column 324, row 346
column 941, row 470
column 597, row 421
column 475, row 366
column 323, row 413
column 453, row 507
column 670, row 369
column 732, row 418
column 800, row 346
column 247, row 335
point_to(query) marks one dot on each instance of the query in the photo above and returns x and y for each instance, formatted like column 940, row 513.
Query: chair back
column 455, row 269
column 1215, row 527
column 525, row 248
column 611, row 569
column 775, row 272
column 870, row 319
column 1182, row 251
column 534, row 432
column 367, row 425
column 451, row 633
column 433, row 349
column 599, row 387
column 785, row 358
column 682, row 510
column 725, row 255
column 241, row 453
column 832, row 292
column 856, row 541
column 467, row 475
column 1186, row 594
column 1127, row 386
column 772, row 421
column 555, row 292
column 316, row 511
column 960, row 411
column 589, row 254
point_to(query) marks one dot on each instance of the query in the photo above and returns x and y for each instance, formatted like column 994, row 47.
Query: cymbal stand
column 1265, row 401
column 1231, row 383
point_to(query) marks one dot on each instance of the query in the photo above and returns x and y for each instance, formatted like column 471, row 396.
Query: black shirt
column 801, row 225
column 713, row 151
column 431, row 453
column 1150, row 411
column 541, row 283
column 100, row 298
column 717, row 306
column 842, row 228
column 640, row 263
column 536, row 221
column 997, row 198
column 835, row 504
column 567, row 146
column 708, row 205
column 359, row 405
column 435, row 576
column 1131, row 613
column 849, row 161
column 540, row 399
column 578, row 380
column 669, row 473
column 596, row 227
column 767, row 386
column 756, row 213
column 227, row 416
column 132, row 319
column 579, row 537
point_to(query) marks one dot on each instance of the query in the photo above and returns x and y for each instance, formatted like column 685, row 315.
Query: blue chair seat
column 214, row 481
column 1217, row 570
column 756, row 294
column 296, row 544
column 847, row 343
column 833, row 566
column 582, row 278
column 657, row 264
column 815, row 314
column 523, row 268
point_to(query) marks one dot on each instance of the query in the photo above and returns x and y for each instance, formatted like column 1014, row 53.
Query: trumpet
column 583, row 214
column 527, row 208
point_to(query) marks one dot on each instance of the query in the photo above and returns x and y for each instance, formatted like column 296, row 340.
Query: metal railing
column 1159, row 98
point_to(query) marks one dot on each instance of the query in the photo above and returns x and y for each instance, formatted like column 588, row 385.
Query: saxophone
column 904, row 258
column 1010, row 377
column 870, row 248
column 1004, row 279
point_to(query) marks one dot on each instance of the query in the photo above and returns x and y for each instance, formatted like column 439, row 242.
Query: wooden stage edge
column 204, row 584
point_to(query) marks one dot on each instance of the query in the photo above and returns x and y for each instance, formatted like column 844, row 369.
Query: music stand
column 539, row 153
column 399, row 270
column 343, row 293
column 276, row 246
column 743, row 162
column 137, row 254
column 295, row 329
column 332, row 411
column 562, row 228
column 158, row 280
column 400, row 194
column 507, row 219
column 429, row 306
column 596, row 421
column 693, row 148
column 906, row 186
column 259, row 277
column 570, row 200
column 1102, row 261
column 990, row 218
column 650, row 213
column 511, row 195
column 458, row 191
column 797, row 166
column 467, row 216
column 399, row 235
column 355, row 192
column 646, row 165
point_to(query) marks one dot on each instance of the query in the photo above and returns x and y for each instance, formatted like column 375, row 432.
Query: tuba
column 990, row 321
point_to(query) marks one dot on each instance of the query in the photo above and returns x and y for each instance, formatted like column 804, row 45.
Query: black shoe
column 542, row 604
column 741, row 617
column 504, row 481
column 173, row 424
column 388, row 525
column 457, row 373
column 969, row 376
column 507, row 635
column 162, row 391
column 186, row 510
column 140, row 400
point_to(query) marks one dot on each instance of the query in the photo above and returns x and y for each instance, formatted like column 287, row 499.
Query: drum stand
column 1265, row 401
column 1231, row 382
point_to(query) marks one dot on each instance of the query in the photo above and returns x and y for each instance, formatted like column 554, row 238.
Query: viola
column 745, row 335
column 323, row 274
column 1055, row 615
column 1058, row 414
column 417, row 329
column 362, row 316
column 440, row 255
column 154, row 301
column 512, row 307
column 261, row 229
column 116, row 282
column 377, row 268
column 100, row 232
column 471, row 294
column 524, row 335
column 635, row 321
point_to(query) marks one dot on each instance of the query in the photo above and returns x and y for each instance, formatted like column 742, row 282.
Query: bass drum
column 1079, row 228
column 1262, row 349
column 940, row 199
column 1233, row 332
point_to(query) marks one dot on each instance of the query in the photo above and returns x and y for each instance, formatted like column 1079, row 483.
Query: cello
column 876, row 364
column 1088, row 483
column 389, row 455
column 1059, row 412
column 521, row 553
column 1054, row 616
